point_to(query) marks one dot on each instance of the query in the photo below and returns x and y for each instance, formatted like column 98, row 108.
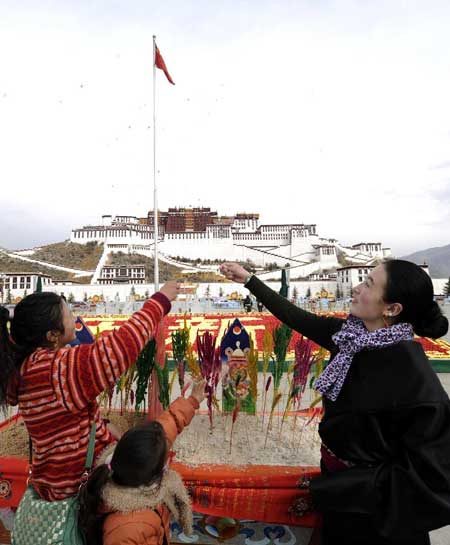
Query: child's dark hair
column 409, row 285
column 34, row 316
column 138, row 459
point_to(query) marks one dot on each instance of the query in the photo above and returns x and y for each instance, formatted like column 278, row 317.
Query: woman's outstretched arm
column 317, row 328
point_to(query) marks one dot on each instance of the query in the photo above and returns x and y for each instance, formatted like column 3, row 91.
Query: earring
column 386, row 323
column 55, row 343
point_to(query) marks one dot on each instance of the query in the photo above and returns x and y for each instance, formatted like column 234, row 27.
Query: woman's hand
column 198, row 391
column 170, row 290
column 234, row 272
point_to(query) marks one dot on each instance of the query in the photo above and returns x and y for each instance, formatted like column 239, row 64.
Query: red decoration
column 255, row 324
column 159, row 63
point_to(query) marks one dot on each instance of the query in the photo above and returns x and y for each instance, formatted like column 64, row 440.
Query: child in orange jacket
column 129, row 499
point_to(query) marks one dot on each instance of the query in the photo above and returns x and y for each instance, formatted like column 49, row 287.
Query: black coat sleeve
column 407, row 490
column 317, row 328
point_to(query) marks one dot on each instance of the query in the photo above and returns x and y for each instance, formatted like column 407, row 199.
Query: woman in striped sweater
column 55, row 386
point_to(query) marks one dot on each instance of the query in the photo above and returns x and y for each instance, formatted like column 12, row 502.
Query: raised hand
column 170, row 289
column 198, row 391
column 234, row 272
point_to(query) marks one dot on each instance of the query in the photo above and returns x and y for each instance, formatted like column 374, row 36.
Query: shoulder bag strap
column 30, row 451
column 89, row 456
column 30, row 459
column 91, row 447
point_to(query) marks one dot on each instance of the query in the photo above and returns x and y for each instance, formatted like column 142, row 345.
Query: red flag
column 159, row 63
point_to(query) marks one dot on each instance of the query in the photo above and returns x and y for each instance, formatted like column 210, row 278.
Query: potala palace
column 187, row 234
column 193, row 233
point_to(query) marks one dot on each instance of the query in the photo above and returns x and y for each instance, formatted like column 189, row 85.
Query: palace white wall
column 271, row 244
column 122, row 291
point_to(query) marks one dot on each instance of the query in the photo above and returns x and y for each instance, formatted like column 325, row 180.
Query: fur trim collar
column 105, row 453
column 171, row 492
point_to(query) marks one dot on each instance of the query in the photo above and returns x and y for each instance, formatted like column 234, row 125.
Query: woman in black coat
column 386, row 427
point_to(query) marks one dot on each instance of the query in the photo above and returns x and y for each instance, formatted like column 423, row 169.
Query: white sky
column 327, row 112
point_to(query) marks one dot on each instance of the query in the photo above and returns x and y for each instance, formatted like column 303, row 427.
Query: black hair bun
column 432, row 323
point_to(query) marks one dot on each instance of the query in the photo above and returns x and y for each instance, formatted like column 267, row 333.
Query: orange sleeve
column 137, row 528
column 133, row 534
column 177, row 417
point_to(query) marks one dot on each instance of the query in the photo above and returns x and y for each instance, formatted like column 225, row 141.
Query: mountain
column 69, row 254
column 437, row 258
column 10, row 264
column 85, row 257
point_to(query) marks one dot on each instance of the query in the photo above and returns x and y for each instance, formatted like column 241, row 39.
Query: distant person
column 259, row 305
column 129, row 497
column 248, row 305
column 56, row 386
column 386, row 425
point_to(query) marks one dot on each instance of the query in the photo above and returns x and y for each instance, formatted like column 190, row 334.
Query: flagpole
column 155, row 195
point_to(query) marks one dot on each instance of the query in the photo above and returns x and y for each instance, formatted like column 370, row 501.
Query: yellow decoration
column 267, row 351
column 172, row 380
column 318, row 368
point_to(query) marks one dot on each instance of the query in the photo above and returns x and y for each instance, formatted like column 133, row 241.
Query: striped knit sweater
column 56, row 393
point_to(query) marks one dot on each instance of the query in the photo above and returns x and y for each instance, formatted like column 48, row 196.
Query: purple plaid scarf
column 352, row 338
